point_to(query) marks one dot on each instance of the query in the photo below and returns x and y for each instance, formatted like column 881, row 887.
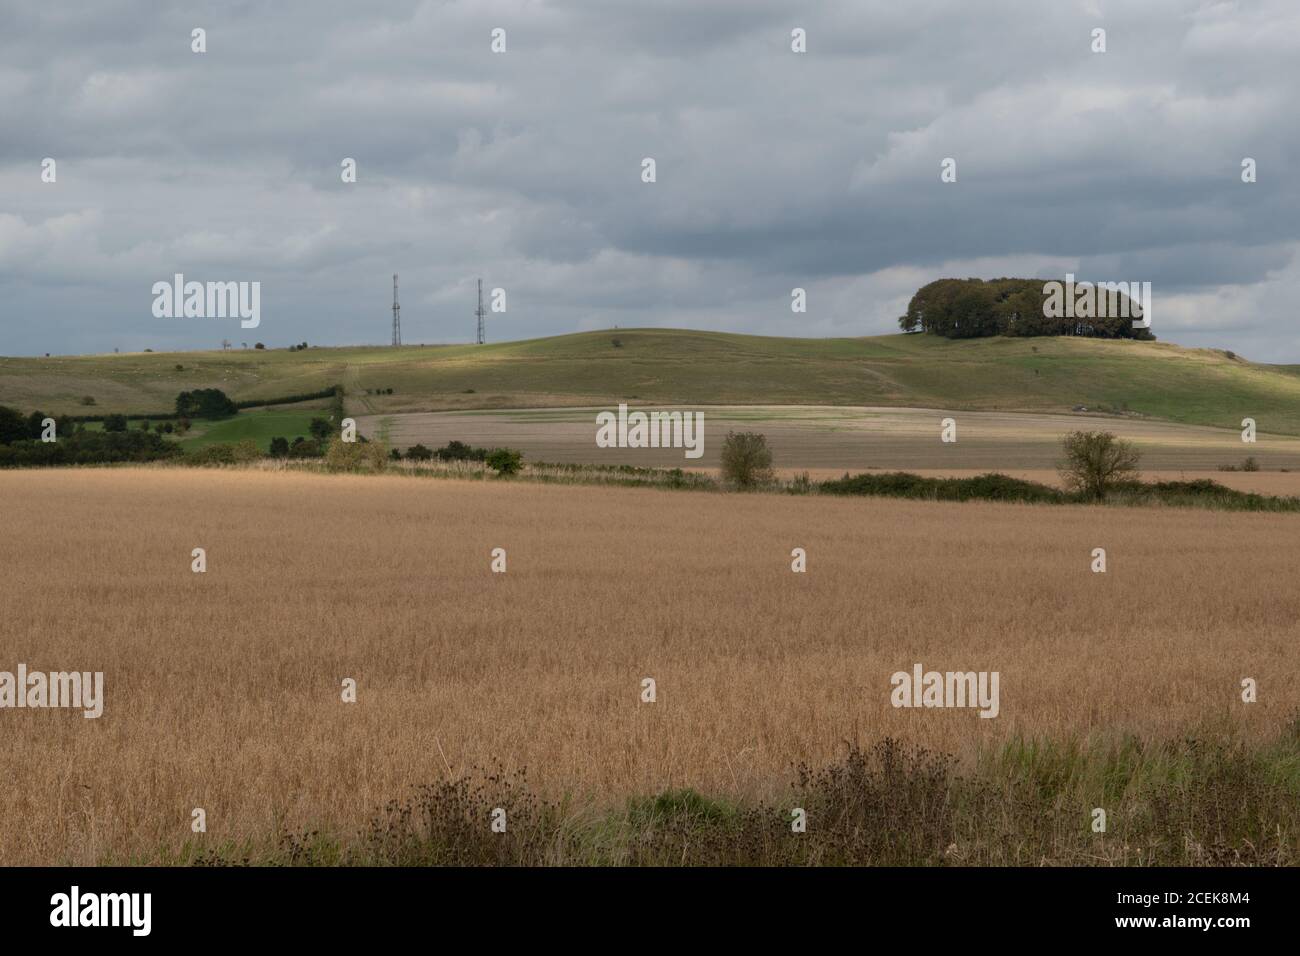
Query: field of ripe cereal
column 223, row 689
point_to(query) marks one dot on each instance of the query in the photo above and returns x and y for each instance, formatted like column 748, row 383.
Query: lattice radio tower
column 397, row 315
column 480, row 313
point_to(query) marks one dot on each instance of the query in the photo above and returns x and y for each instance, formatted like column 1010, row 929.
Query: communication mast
column 480, row 313
column 397, row 315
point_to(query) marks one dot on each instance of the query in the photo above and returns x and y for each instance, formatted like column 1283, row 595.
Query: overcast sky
column 774, row 169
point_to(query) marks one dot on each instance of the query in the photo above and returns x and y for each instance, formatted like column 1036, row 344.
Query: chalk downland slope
column 671, row 366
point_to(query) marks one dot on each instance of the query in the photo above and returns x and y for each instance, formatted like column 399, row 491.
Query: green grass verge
column 1209, row 800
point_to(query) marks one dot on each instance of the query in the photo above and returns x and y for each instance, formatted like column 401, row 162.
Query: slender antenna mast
column 480, row 313
column 397, row 315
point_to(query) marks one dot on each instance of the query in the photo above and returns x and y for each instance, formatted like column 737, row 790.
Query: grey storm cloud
column 775, row 169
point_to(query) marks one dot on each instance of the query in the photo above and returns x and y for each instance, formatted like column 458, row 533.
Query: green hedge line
column 253, row 403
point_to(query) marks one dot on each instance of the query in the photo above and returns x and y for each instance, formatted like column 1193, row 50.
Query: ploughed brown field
column 223, row 689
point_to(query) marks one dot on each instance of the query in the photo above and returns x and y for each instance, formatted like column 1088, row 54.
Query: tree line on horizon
column 976, row 308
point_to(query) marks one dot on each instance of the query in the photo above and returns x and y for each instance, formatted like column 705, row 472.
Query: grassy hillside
column 685, row 367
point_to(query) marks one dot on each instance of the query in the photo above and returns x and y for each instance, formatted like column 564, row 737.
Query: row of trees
column 85, row 447
column 15, row 427
column 974, row 308
column 452, row 451
column 504, row 461
column 119, row 423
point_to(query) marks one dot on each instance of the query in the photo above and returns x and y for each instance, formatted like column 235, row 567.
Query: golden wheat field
column 223, row 689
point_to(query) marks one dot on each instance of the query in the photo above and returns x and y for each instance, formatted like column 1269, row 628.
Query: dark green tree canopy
column 205, row 403
column 974, row 308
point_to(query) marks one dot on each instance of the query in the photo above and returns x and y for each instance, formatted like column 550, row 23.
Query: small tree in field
column 1096, row 461
column 505, row 461
column 746, row 460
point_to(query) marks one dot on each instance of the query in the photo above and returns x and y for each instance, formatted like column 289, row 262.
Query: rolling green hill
column 684, row 367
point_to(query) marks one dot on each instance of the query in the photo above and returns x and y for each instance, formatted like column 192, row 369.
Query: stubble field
column 223, row 689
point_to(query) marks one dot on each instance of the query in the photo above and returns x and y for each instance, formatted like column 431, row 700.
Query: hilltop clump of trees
column 975, row 308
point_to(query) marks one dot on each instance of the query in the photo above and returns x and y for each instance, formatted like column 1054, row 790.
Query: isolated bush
column 356, row 456
column 1250, row 464
column 1096, row 461
column 746, row 460
column 505, row 461
column 88, row 400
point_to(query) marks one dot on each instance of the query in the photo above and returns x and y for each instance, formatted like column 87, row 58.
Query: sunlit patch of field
column 853, row 439
column 223, row 688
